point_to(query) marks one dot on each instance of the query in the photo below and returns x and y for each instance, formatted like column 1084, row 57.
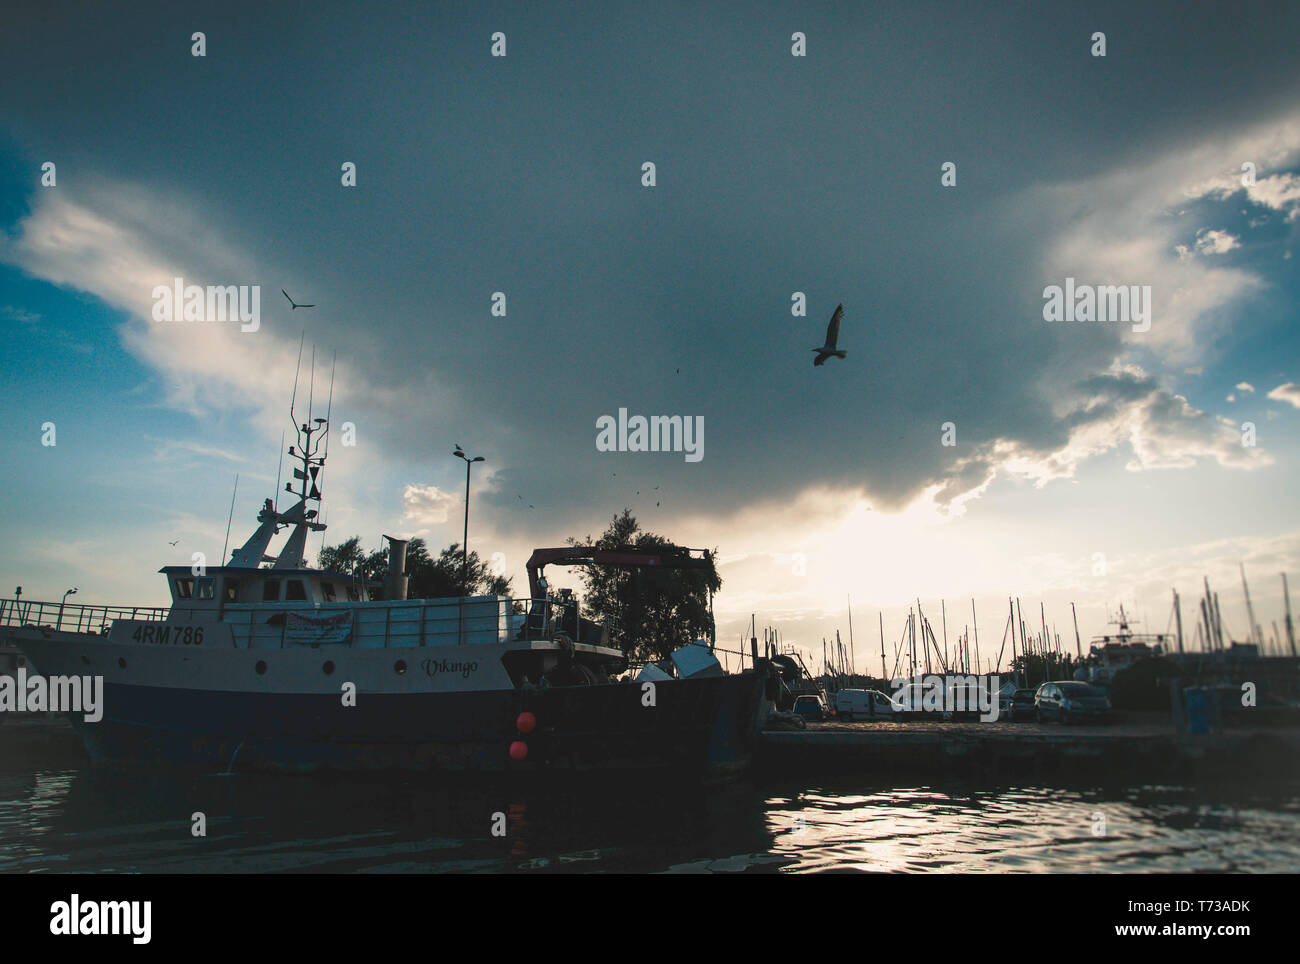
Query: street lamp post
column 59, row 622
column 464, row 542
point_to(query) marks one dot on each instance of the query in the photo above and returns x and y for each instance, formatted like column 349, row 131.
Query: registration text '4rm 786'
column 169, row 635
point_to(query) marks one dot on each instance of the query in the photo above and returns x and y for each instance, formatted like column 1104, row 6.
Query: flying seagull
column 829, row 349
column 173, row 543
column 293, row 303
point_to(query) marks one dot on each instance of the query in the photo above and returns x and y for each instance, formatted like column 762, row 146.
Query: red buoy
column 526, row 722
column 518, row 750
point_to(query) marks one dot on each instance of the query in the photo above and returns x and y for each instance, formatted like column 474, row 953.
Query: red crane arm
column 624, row 557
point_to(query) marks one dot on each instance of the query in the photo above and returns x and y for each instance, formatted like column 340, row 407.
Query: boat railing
column 380, row 623
column 72, row 617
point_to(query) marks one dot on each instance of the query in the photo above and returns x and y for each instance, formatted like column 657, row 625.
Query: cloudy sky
column 1092, row 462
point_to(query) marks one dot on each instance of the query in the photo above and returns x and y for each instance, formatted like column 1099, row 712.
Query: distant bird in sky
column 829, row 350
column 173, row 542
column 293, row 303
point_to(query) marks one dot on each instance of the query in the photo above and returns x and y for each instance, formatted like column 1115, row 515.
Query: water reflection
column 97, row 819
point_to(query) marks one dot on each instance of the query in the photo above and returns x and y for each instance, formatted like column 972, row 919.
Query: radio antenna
column 329, row 405
column 279, row 465
column 231, row 518
column 311, row 383
column 296, row 368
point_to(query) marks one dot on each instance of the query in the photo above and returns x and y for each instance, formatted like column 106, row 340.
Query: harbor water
column 70, row 816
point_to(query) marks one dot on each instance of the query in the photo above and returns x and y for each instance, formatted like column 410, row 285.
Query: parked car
column 863, row 705
column 1068, row 701
column 810, row 707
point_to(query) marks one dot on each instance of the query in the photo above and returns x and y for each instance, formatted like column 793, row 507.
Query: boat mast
column 1078, row 644
column 943, row 611
column 1255, row 633
column 310, row 436
column 230, row 518
column 1290, row 630
column 881, row 614
column 853, row 658
column 1178, row 618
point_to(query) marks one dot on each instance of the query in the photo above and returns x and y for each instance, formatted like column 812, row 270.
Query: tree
column 347, row 557
column 428, row 578
column 1035, row 668
column 653, row 610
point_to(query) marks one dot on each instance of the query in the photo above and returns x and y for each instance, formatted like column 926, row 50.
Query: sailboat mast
column 1290, row 630
column 882, row 644
column 1255, row 634
column 853, row 660
column 1178, row 618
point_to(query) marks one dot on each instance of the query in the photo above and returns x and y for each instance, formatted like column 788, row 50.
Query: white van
column 863, row 705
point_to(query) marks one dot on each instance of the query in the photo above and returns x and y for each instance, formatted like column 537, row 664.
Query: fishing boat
column 1112, row 652
column 266, row 663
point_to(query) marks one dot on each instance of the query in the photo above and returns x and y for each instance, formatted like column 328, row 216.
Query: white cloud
column 1125, row 405
column 427, row 505
column 1280, row 192
column 117, row 243
column 1216, row 242
column 1245, row 387
column 1129, row 225
column 1289, row 392
column 172, row 448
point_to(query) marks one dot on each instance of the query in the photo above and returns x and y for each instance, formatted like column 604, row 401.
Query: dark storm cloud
column 775, row 175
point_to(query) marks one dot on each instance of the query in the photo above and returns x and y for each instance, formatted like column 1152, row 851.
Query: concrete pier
column 1133, row 746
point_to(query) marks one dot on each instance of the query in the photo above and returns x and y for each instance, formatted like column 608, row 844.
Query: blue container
column 1197, row 703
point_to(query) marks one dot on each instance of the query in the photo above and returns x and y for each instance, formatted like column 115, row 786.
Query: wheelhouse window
column 231, row 589
column 295, row 589
column 271, row 590
column 206, row 587
column 353, row 595
column 327, row 591
column 184, row 588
